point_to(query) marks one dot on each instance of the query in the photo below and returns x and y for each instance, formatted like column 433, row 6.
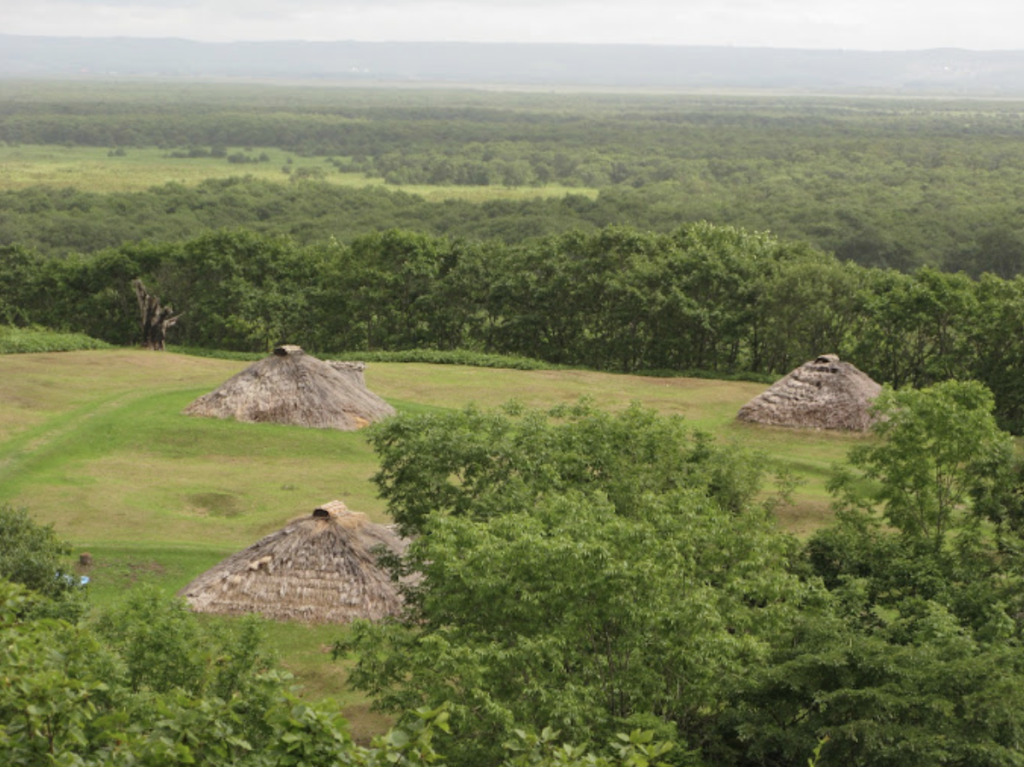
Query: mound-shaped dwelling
column 825, row 393
column 292, row 387
column 317, row 569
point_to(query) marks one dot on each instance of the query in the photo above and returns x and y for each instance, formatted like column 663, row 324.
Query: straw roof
column 318, row 569
column 293, row 387
column 824, row 393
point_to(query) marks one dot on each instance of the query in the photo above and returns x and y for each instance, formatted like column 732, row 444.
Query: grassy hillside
column 94, row 443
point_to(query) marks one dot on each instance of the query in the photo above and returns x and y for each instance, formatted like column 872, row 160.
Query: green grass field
column 92, row 169
column 94, row 443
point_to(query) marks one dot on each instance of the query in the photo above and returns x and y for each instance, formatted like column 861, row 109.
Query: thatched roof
column 824, row 393
column 293, row 387
column 319, row 569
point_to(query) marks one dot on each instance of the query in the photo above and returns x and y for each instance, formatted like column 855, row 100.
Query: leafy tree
column 934, row 447
column 912, row 688
column 164, row 647
column 52, row 686
column 916, row 660
column 66, row 699
column 911, row 328
column 588, row 573
column 32, row 555
column 994, row 348
column 486, row 463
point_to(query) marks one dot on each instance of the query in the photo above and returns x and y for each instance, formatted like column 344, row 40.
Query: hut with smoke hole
column 825, row 393
column 322, row 568
column 292, row 387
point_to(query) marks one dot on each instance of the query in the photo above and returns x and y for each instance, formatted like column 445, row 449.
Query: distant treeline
column 971, row 237
column 703, row 297
column 880, row 182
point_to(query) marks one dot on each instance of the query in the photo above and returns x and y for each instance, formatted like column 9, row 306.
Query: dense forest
column 880, row 182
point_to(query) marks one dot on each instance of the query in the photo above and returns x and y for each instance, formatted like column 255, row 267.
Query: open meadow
column 99, row 170
column 94, row 442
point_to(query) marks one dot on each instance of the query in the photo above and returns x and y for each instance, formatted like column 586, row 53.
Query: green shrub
column 32, row 554
column 15, row 340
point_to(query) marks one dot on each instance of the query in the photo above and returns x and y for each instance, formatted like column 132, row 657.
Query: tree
column 66, row 699
column 935, row 446
column 156, row 319
column 911, row 327
column 916, row 659
column 912, row 688
column 586, row 571
column 485, row 463
column 996, row 355
column 32, row 555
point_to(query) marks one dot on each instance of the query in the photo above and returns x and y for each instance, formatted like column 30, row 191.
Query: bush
column 37, row 339
column 32, row 554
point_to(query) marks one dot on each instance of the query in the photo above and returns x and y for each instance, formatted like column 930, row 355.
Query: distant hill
column 932, row 72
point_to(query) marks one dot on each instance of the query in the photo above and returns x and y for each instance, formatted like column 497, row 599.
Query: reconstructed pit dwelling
column 825, row 393
column 320, row 568
column 292, row 387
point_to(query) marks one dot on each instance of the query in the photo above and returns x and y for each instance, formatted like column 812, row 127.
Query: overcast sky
column 849, row 24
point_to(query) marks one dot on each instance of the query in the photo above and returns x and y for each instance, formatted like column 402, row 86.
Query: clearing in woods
column 95, row 443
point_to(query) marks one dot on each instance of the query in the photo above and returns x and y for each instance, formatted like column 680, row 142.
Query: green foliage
column 14, row 340
column 48, row 691
column 883, row 182
column 67, row 698
column 933, row 446
column 580, row 573
column 916, row 689
column 995, row 334
column 918, row 659
column 637, row 749
column 911, row 330
column 32, row 555
column 164, row 647
column 488, row 463
column 709, row 299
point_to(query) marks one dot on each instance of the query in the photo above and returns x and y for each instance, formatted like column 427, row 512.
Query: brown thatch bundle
column 824, row 393
column 319, row 569
column 293, row 387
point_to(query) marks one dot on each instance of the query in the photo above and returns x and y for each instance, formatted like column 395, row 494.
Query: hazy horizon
column 861, row 25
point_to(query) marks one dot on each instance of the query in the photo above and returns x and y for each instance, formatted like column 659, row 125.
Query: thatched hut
column 318, row 569
column 293, row 387
column 824, row 393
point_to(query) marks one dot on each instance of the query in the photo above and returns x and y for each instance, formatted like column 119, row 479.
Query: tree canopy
column 597, row 572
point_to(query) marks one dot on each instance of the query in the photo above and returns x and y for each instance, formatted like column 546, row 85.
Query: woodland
column 600, row 587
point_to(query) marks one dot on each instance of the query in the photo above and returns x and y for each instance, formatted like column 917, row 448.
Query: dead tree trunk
column 156, row 319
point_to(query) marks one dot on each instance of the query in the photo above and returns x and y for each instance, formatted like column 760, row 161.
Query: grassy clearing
column 93, row 169
column 94, row 443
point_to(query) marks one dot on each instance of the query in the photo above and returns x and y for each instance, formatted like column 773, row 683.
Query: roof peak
column 340, row 514
column 330, row 509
